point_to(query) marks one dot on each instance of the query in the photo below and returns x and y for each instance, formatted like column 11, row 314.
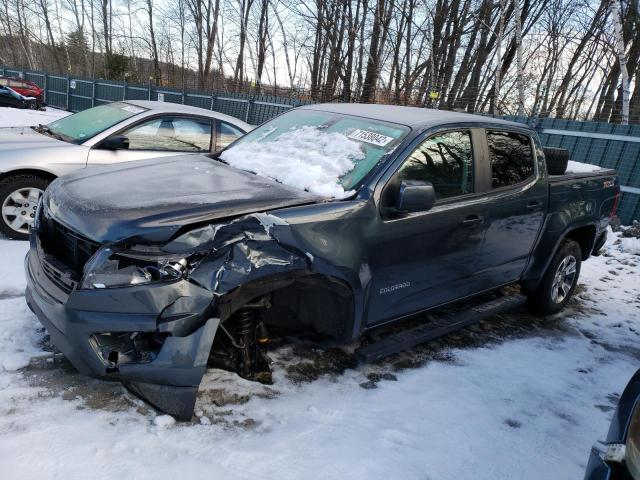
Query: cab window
column 511, row 158
column 445, row 160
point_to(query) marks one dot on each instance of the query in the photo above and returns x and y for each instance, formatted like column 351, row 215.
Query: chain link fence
column 598, row 143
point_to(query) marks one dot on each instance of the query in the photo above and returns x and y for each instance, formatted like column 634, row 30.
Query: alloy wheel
column 19, row 208
column 564, row 279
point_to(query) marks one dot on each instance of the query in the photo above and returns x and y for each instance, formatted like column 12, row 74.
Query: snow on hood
column 305, row 158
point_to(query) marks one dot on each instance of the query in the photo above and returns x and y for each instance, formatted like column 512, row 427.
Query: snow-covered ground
column 14, row 117
column 517, row 396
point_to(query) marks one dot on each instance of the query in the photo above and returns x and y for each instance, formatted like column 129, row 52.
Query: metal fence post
column 68, row 93
column 93, row 93
column 183, row 97
column 246, row 117
column 212, row 100
column 124, row 88
column 149, row 88
column 46, row 87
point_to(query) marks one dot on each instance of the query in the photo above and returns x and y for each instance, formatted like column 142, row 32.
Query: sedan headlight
column 632, row 450
column 108, row 268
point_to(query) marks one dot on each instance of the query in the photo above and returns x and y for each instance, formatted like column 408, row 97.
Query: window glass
column 84, row 125
column 227, row 134
column 445, row 160
column 172, row 134
column 511, row 158
column 293, row 129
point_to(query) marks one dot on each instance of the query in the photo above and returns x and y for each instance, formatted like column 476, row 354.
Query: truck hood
column 151, row 199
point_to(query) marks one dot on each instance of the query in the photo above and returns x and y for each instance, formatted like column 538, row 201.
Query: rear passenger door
column 518, row 196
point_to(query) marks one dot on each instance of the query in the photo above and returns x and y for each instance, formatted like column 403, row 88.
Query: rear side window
column 446, row 161
column 511, row 158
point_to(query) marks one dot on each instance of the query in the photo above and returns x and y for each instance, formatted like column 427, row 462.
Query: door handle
column 534, row 205
column 472, row 220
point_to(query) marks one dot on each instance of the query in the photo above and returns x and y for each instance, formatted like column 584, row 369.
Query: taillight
column 614, row 208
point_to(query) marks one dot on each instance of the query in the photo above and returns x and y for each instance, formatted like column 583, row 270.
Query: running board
column 404, row 340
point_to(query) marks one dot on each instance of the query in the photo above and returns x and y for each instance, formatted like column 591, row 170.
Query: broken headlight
column 108, row 268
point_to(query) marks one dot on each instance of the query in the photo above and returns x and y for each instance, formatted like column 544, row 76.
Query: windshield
column 82, row 126
column 325, row 153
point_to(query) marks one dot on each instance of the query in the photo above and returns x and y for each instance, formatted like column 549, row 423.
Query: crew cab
column 336, row 218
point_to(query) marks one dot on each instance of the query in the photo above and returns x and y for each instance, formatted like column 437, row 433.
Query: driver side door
column 158, row 137
column 427, row 258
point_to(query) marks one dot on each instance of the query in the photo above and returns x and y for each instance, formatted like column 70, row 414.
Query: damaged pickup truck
column 332, row 218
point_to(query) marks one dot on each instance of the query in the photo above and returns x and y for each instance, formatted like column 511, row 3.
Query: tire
column 556, row 288
column 19, row 195
column 556, row 159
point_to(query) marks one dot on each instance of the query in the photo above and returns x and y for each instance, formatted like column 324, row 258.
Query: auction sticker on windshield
column 370, row 137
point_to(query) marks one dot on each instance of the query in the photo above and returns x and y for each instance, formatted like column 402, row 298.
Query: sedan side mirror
column 115, row 142
column 415, row 196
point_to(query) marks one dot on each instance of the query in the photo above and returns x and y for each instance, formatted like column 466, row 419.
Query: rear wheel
column 559, row 281
column 19, row 196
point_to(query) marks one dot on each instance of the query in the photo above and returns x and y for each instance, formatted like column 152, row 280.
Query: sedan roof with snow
column 168, row 107
column 410, row 116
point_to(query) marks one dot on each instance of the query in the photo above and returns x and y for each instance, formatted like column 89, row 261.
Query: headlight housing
column 108, row 268
column 632, row 449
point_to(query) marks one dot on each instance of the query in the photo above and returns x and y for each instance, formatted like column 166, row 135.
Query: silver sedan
column 32, row 157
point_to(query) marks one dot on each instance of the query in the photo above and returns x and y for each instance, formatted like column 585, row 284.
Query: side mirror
column 115, row 142
column 415, row 196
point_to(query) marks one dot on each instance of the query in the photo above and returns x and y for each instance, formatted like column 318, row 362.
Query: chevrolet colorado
column 336, row 218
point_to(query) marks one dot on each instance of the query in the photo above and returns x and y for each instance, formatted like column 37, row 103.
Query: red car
column 24, row 87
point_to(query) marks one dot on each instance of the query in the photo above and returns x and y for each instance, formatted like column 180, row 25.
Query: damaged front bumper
column 155, row 339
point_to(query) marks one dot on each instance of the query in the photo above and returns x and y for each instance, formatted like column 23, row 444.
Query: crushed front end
column 147, row 315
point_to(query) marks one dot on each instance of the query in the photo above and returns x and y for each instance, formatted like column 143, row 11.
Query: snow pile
column 306, row 158
column 579, row 167
column 12, row 281
column 19, row 341
column 630, row 245
column 14, row 117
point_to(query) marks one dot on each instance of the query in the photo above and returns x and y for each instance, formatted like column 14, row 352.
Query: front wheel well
column 311, row 302
column 585, row 237
column 28, row 171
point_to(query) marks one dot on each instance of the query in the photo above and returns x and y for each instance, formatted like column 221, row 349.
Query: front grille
column 63, row 280
column 66, row 252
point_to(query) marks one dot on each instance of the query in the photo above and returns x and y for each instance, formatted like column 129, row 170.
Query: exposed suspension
column 245, row 333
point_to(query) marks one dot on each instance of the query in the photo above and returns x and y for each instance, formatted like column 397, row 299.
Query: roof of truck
column 409, row 116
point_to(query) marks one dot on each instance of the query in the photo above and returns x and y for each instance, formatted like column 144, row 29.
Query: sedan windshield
column 322, row 152
column 84, row 125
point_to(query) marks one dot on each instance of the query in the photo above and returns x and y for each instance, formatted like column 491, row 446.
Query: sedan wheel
column 19, row 209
